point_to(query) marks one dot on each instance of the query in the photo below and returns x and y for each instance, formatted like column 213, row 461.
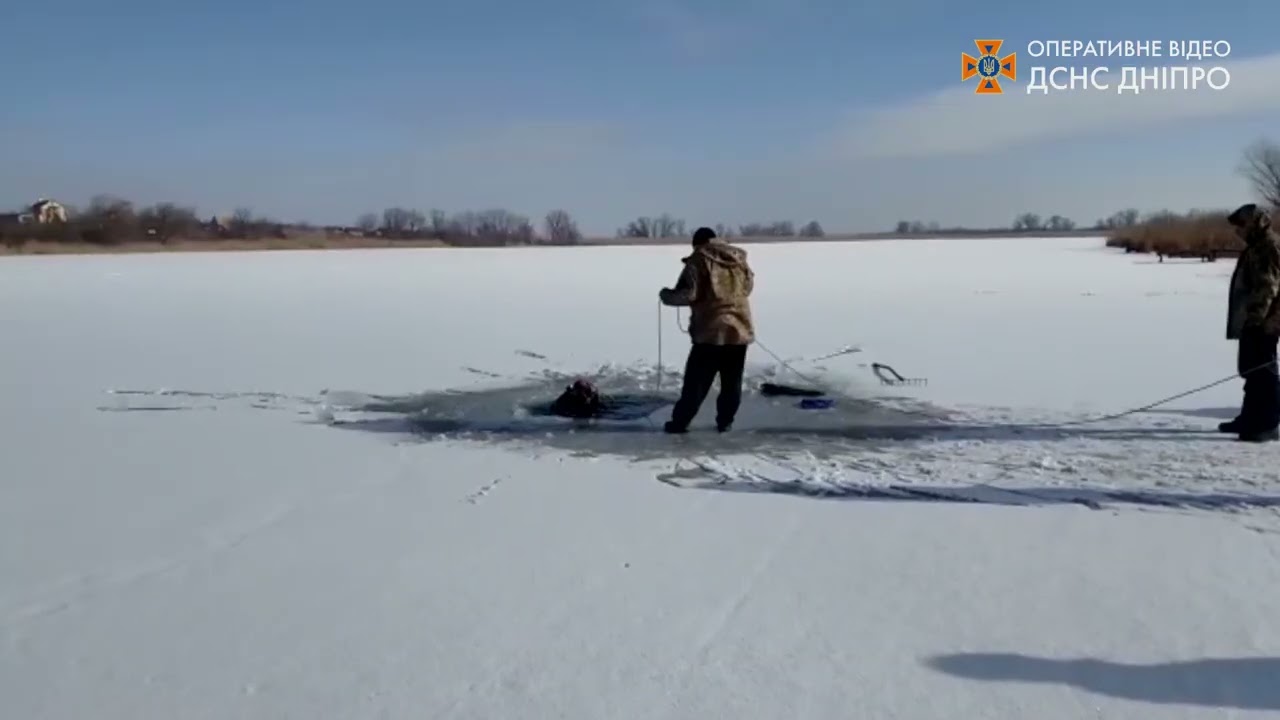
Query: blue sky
column 851, row 114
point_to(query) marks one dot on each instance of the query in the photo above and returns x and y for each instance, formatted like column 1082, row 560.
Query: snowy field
column 306, row 485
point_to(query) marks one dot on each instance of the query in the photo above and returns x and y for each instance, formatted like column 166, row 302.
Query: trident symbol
column 989, row 66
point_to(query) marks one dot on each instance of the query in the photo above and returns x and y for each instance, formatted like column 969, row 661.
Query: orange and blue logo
column 988, row 68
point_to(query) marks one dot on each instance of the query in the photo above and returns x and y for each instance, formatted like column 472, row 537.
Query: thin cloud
column 689, row 33
column 957, row 122
column 698, row 30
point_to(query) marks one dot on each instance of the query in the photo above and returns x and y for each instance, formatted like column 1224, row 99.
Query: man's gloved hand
column 664, row 294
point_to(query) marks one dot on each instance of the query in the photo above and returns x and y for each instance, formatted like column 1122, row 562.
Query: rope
column 1083, row 421
column 1158, row 403
column 788, row 366
column 763, row 347
column 659, row 386
column 1071, row 423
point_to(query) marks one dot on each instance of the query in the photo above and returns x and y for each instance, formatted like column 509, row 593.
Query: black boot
column 1231, row 427
column 1260, row 436
column 673, row 428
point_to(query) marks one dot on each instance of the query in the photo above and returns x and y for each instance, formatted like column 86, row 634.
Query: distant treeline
column 109, row 220
column 1022, row 224
column 1205, row 234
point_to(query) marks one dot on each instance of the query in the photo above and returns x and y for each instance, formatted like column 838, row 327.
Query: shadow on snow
column 1095, row 498
column 1239, row 683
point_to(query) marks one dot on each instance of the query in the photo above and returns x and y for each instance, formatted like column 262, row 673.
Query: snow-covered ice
column 306, row 485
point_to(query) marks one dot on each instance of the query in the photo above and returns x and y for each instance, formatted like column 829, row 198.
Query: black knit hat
column 1243, row 215
column 703, row 235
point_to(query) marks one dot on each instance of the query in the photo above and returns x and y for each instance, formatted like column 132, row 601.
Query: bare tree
column 109, row 219
column 1027, row 221
column 784, row 228
column 489, row 227
column 561, row 229
column 461, row 227
column 417, row 223
column 166, row 221
column 639, row 228
column 912, row 227
column 1261, row 167
column 663, row 226
column 240, row 224
column 1061, row 224
column 1122, row 219
column 439, row 224
column 368, row 222
column 110, row 207
column 504, row 227
column 812, row 230
column 668, row 227
column 401, row 222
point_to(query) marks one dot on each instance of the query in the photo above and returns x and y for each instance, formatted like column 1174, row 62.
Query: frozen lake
column 245, row 486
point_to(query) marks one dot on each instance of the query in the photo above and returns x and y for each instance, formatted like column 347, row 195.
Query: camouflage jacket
column 1254, row 299
column 716, row 284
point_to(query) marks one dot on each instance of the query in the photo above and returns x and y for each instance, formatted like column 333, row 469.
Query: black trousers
column 705, row 362
column 1261, row 407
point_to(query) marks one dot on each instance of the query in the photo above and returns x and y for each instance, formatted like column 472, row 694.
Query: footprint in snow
column 479, row 494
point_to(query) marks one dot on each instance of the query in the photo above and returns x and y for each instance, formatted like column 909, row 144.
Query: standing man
column 715, row 284
column 1253, row 318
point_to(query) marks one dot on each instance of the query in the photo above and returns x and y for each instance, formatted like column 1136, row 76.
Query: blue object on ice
column 816, row 403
